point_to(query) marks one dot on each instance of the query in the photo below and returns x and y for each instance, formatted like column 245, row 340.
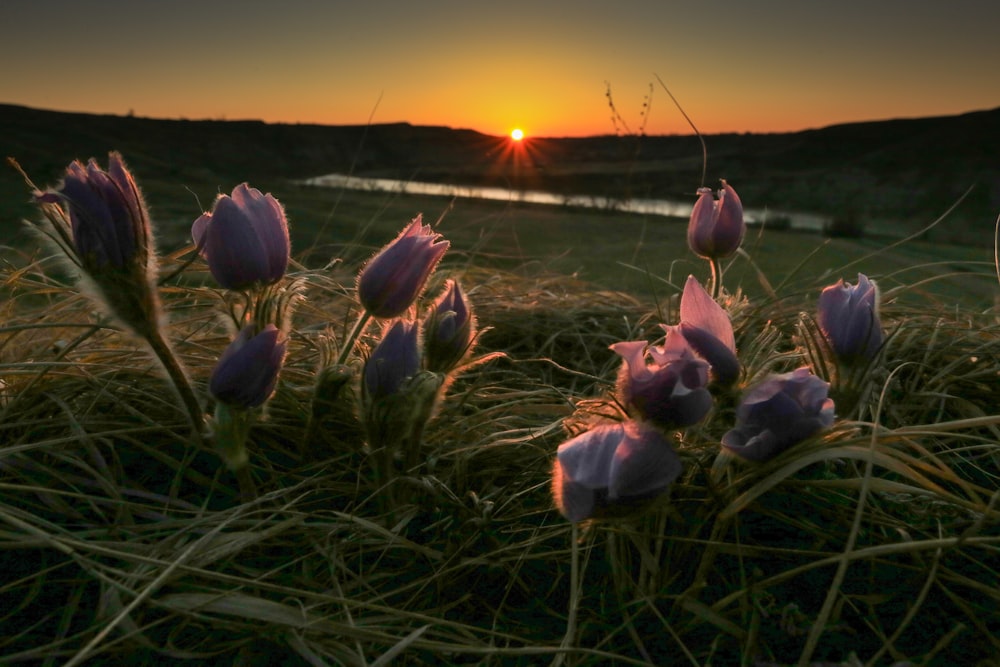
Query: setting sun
column 517, row 134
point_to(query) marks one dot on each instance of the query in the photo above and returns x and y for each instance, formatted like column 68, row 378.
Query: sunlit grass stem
column 569, row 639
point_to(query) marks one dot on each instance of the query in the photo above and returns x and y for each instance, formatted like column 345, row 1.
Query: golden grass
column 876, row 542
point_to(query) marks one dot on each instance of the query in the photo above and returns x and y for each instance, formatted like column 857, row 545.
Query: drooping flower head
column 449, row 330
column 707, row 329
column 247, row 371
column 393, row 279
column 244, row 239
column 778, row 413
column 612, row 470
column 669, row 389
column 716, row 227
column 848, row 316
column 109, row 232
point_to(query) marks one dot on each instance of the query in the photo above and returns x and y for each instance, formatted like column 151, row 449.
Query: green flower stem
column 359, row 328
column 248, row 488
column 179, row 379
column 230, row 433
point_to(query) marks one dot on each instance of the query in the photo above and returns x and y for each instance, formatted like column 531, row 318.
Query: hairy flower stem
column 352, row 337
column 248, row 488
column 178, row 378
column 716, row 277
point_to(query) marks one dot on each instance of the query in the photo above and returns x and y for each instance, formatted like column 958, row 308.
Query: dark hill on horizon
column 891, row 176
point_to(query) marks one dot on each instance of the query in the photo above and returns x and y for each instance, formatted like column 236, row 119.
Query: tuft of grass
column 876, row 542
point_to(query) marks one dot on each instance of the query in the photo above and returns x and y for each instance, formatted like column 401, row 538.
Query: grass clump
column 125, row 540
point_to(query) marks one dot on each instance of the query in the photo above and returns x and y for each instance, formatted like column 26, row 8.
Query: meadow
column 125, row 540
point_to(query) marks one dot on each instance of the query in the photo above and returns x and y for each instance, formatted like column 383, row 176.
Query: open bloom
column 669, row 390
column 247, row 371
column 848, row 316
column 244, row 239
column 612, row 470
column 778, row 413
column 449, row 330
column 707, row 329
column 393, row 279
column 716, row 227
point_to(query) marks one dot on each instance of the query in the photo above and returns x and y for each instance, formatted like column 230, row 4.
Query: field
column 124, row 540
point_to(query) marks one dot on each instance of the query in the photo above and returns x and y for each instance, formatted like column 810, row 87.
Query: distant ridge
column 902, row 172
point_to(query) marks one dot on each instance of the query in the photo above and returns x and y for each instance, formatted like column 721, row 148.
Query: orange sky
column 743, row 66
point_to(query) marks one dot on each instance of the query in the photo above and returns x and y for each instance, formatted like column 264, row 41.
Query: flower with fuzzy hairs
column 848, row 316
column 393, row 279
column 106, row 231
column 668, row 391
column 394, row 360
column 247, row 371
column 707, row 329
column 108, row 215
column 244, row 239
column 778, row 413
column 449, row 330
column 612, row 470
column 716, row 227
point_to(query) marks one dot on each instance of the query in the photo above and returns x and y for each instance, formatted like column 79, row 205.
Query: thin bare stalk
column 574, row 597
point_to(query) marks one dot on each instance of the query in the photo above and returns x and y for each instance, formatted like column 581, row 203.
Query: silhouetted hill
column 897, row 174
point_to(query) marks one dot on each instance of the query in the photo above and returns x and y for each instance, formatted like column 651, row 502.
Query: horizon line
column 528, row 137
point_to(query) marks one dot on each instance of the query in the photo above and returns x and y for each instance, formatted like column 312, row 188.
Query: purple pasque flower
column 247, row 371
column 707, row 329
column 108, row 217
column 244, row 239
column 848, row 316
column 612, row 470
column 778, row 413
column 394, row 360
column 670, row 389
column 716, row 227
column 393, row 279
column 449, row 330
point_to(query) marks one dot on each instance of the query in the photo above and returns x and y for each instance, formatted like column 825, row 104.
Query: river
column 661, row 207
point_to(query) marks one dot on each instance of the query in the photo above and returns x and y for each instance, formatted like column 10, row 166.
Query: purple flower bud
column 707, row 329
column 100, row 219
column 716, row 228
column 247, row 371
column 393, row 361
column 848, row 316
column 670, row 391
column 107, row 213
column 244, row 239
column 393, row 279
column 778, row 413
column 449, row 330
column 612, row 470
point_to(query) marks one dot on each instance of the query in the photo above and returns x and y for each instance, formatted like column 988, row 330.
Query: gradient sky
column 737, row 66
